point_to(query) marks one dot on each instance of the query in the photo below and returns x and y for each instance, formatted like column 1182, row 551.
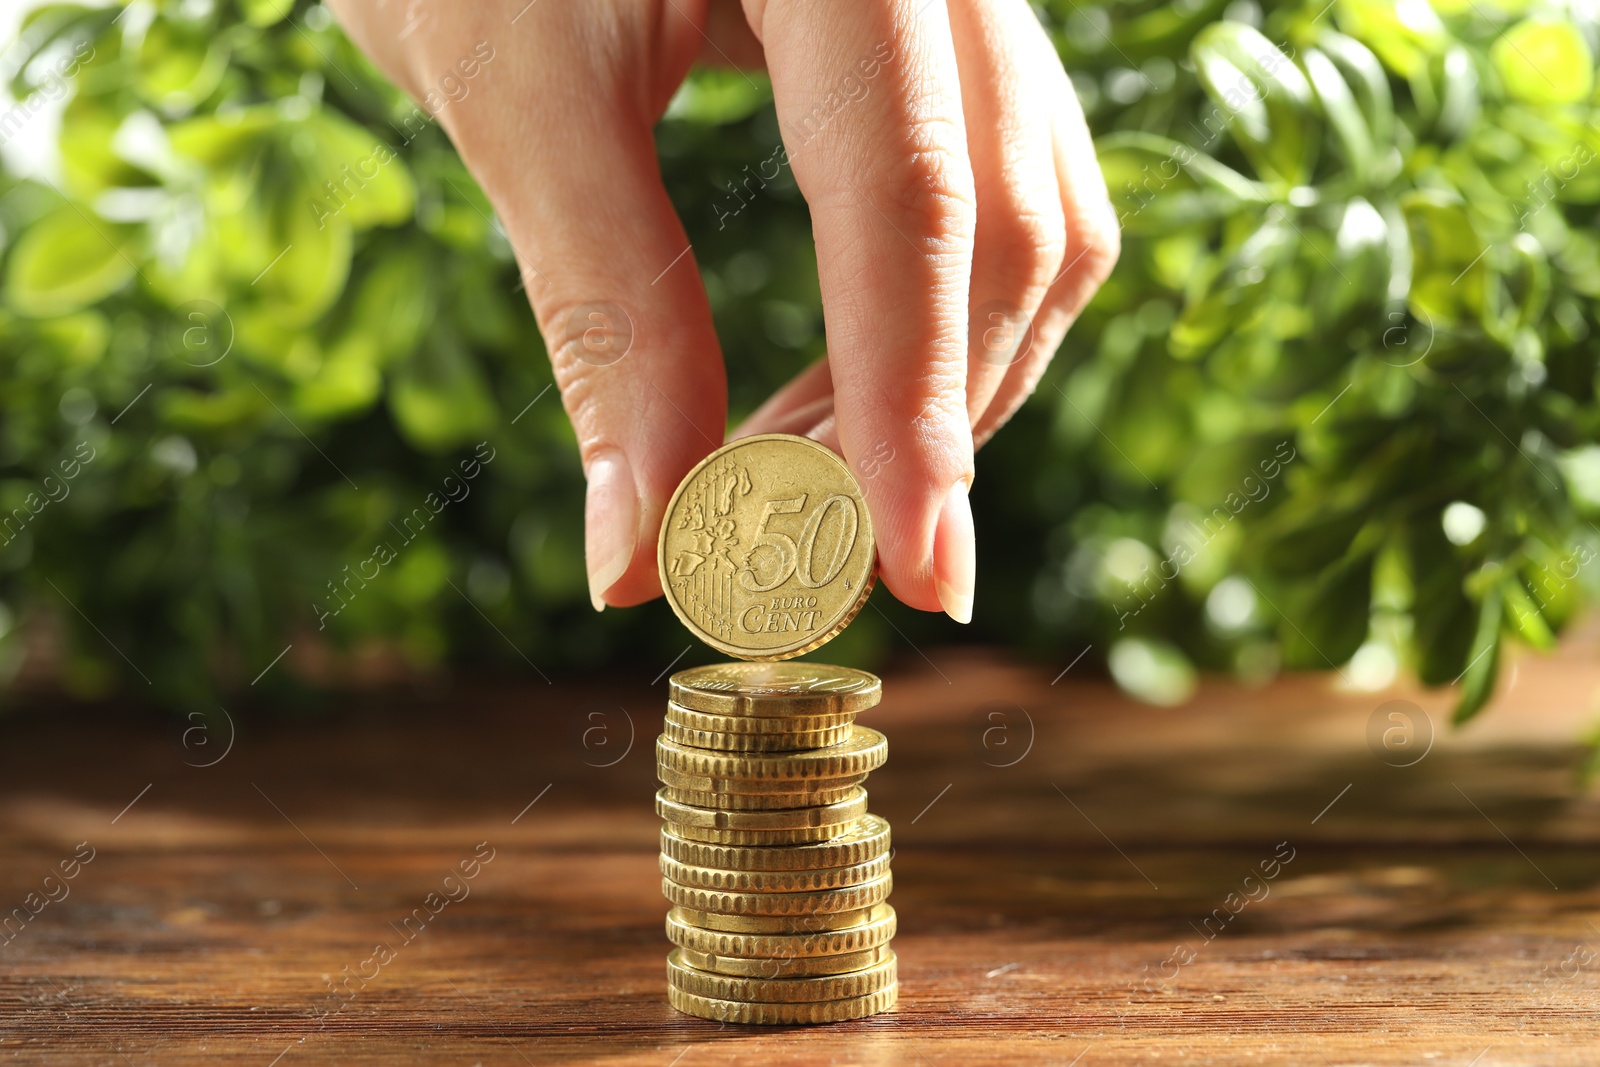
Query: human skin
column 956, row 204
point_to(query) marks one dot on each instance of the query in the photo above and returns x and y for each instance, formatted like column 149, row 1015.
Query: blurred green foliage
column 1335, row 408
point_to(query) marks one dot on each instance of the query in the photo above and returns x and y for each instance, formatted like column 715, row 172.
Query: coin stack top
column 778, row 875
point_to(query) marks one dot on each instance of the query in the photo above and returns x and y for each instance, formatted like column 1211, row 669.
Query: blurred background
column 1335, row 409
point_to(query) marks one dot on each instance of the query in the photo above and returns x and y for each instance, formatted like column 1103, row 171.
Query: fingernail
column 955, row 555
column 611, row 523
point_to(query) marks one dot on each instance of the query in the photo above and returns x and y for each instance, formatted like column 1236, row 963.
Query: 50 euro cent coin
column 774, row 924
column 767, row 550
column 875, row 930
column 783, row 966
column 742, row 881
column 770, row 741
column 761, row 690
column 688, row 816
column 800, row 835
column 759, row 787
column 866, row 839
column 827, row 987
column 711, row 722
column 812, row 902
column 755, row 801
column 864, row 751
column 782, row 1014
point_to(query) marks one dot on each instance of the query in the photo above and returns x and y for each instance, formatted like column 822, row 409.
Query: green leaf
column 47, row 25
column 1245, row 464
column 1544, row 62
column 1235, row 99
column 1262, row 96
column 1459, row 100
column 348, row 382
column 1364, row 75
column 215, row 140
column 1165, row 29
column 356, row 177
column 266, row 12
column 1335, row 617
column 1197, row 169
column 488, row 314
column 1305, row 539
column 80, row 339
column 719, row 96
column 197, row 411
column 1158, row 184
column 422, row 572
column 46, row 22
column 439, row 399
column 1362, row 258
column 88, row 161
column 307, row 258
column 1403, row 35
column 67, row 261
column 544, row 546
column 179, row 65
column 1524, row 616
column 1339, row 105
column 1526, row 288
column 1220, row 306
column 1477, row 681
column 1443, row 623
column 393, row 305
column 1449, row 275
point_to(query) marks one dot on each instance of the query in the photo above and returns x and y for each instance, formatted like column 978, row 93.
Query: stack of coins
column 778, row 875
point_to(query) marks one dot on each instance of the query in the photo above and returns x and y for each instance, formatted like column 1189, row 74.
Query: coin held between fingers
column 767, row 551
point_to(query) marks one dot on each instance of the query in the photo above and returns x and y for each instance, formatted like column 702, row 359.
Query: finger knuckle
column 578, row 373
column 1028, row 242
column 931, row 408
column 928, row 194
column 1094, row 243
column 583, row 336
column 924, row 403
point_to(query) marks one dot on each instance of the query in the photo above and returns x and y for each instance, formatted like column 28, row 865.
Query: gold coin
column 755, row 724
column 815, row 902
column 828, row 1011
column 687, row 815
column 865, row 751
column 756, row 690
column 822, row 987
column 864, row 840
column 783, row 966
column 754, row 801
column 759, row 786
column 877, row 930
column 736, row 881
column 773, row 924
column 799, row 835
column 766, row 551
column 769, row 742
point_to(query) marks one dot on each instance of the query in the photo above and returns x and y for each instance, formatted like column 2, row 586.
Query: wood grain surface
column 1079, row 880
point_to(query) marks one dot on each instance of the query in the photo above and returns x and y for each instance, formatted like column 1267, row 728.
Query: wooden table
column 1243, row 880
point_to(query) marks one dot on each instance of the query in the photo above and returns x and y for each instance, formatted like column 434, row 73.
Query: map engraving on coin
column 767, row 549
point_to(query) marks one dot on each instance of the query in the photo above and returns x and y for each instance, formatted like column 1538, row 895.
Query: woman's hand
column 961, row 224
